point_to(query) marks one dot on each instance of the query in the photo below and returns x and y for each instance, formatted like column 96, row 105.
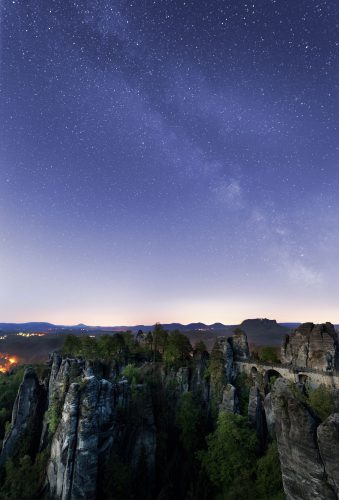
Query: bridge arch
column 303, row 378
column 270, row 377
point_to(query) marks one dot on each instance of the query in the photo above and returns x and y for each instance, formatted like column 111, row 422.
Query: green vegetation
column 117, row 480
column 321, row 401
column 9, row 385
column 230, row 458
column 269, row 483
column 243, row 384
column 132, row 373
column 177, row 349
column 24, row 477
column 190, row 422
column 53, row 415
column 173, row 348
column 269, row 354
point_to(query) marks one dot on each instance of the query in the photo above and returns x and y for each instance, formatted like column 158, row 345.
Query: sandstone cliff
column 312, row 346
column 304, row 472
column 27, row 416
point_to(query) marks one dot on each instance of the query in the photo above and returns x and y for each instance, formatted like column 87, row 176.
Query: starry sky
column 169, row 160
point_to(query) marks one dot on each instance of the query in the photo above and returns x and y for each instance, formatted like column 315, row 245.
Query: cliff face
column 27, row 415
column 256, row 414
column 304, row 472
column 89, row 429
column 312, row 346
column 239, row 345
column 80, row 437
column 328, row 441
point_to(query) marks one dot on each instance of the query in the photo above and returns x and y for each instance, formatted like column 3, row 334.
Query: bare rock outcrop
column 63, row 372
column 303, row 472
column 239, row 345
column 269, row 414
column 230, row 400
column 27, row 415
column 225, row 345
column 79, row 439
column 328, row 440
column 199, row 383
column 312, row 346
column 256, row 414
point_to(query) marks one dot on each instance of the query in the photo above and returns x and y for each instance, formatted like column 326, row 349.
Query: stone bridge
column 313, row 378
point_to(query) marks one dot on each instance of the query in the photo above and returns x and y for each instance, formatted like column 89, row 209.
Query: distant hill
column 50, row 327
column 264, row 331
column 28, row 327
column 260, row 331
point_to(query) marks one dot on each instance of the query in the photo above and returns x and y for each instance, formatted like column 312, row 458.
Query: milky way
column 169, row 160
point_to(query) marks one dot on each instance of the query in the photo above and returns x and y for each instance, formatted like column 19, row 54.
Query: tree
column 321, row 401
column 269, row 482
column 177, row 350
column 132, row 373
column 269, row 354
column 189, row 419
column 159, row 336
column 71, row 346
column 89, row 348
column 200, row 347
column 230, row 458
column 24, row 479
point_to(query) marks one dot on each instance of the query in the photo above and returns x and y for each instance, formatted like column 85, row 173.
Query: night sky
column 169, row 161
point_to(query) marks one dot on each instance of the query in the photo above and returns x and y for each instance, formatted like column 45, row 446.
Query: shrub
column 230, row 458
column 53, row 414
column 269, row 354
column 269, row 482
column 189, row 419
column 321, row 401
column 132, row 373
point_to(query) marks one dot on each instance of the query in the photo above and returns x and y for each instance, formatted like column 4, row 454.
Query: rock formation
column 239, row 345
column 27, row 416
column 230, row 400
column 228, row 353
column 312, row 346
column 303, row 471
column 81, row 435
column 256, row 414
column 328, row 441
column 199, row 383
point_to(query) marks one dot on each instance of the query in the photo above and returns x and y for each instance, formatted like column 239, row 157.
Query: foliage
column 243, row 384
column 116, row 483
column 200, row 347
column 25, row 478
column 269, row 482
column 159, row 337
column 269, row 354
column 71, row 345
column 9, row 385
column 132, row 373
column 321, row 401
column 177, row 349
column 53, row 414
column 230, row 458
column 189, row 419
